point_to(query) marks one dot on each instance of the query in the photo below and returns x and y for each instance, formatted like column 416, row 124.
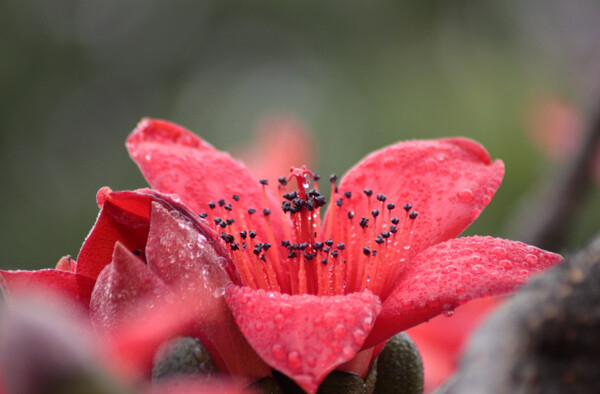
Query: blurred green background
column 76, row 77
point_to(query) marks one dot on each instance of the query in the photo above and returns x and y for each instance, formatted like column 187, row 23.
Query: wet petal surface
column 448, row 182
column 303, row 336
column 454, row 272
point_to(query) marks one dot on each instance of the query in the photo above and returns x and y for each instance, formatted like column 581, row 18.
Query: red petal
column 174, row 160
column 448, row 182
column 451, row 273
column 184, row 259
column 181, row 256
column 303, row 336
column 122, row 288
column 75, row 287
column 124, row 217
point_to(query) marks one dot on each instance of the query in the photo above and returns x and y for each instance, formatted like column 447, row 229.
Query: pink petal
column 185, row 260
column 174, row 160
column 303, row 336
column 192, row 312
column 448, row 182
column 75, row 287
column 182, row 256
column 451, row 273
column 124, row 217
column 122, row 288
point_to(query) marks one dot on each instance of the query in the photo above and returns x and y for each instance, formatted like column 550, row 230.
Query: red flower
column 307, row 297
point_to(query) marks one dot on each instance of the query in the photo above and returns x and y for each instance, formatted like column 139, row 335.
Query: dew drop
column 499, row 251
column 348, row 351
column 339, row 332
column 389, row 162
column 278, row 352
column 294, row 359
column 279, row 319
column 148, row 157
column 531, row 259
column 258, row 326
column 474, row 259
column 448, row 269
column 448, row 313
column 505, row 264
column 461, row 289
column 477, row 269
column 465, row 195
column 245, row 298
column 329, row 319
column 359, row 337
column 367, row 322
column 312, row 361
column 286, row 310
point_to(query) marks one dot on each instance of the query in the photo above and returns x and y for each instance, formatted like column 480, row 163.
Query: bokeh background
column 76, row 77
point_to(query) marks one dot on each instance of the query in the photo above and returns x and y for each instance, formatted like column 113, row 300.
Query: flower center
column 353, row 251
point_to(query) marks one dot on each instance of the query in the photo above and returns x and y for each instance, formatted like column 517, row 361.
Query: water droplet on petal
column 531, row 259
column 245, row 298
column 367, row 322
column 359, row 336
column 465, row 195
column 474, row 259
column 448, row 309
column 286, row 310
column 389, row 162
column 329, row 319
column 339, row 332
column 294, row 359
column 258, row 326
column 499, row 251
column 448, row 269
column 278, row 352
column 279, row 319
column 477, row 269
column 505, row 264
column 347, row 351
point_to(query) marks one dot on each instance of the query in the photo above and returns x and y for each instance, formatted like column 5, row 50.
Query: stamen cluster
column 353, row 252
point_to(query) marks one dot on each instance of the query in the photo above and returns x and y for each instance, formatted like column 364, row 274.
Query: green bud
column 399, row 367
column 183, row 355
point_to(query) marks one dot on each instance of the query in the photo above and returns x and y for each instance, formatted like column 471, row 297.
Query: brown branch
column 546, row 219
